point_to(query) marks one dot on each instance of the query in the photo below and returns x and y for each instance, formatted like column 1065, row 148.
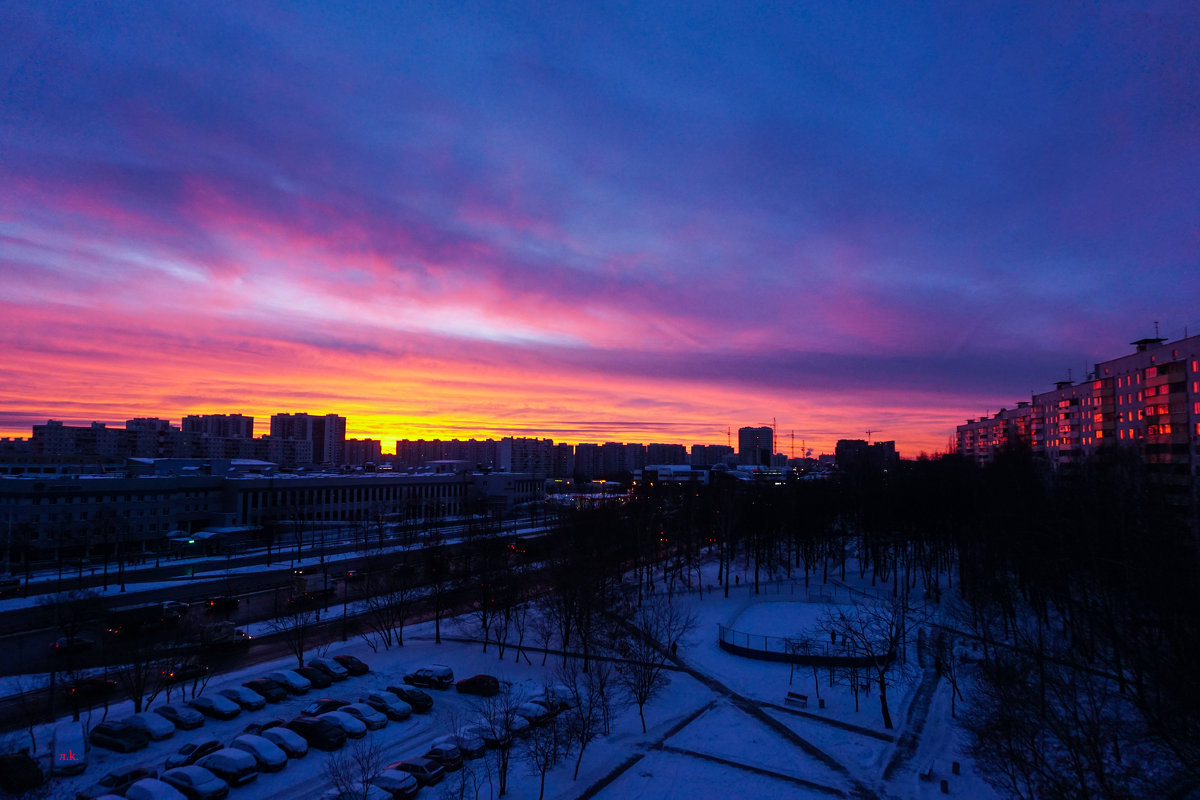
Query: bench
column 796, row 699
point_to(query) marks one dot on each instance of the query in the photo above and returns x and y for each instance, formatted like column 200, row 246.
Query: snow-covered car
column 269, row 756
column 286, row 740
column 373, row 719
column 556, row 698
column 293, row 682
column 400, row 785
column 373, row 792
column 536, row 713
column 445, row 752
column 389, row 704
column 192, row 752
column 184, row 718
column 351, row 726
column 153, row 725
column 215, row 706
column 420, row 702
column 248, row 699
column 434, row 676
column 153, row 789
column 116, row 782
column 330, row 667
column 466, row 739
column 196, row 783
column 324, row 704
column 427, row 771
column 353, row 664
column 235, row 767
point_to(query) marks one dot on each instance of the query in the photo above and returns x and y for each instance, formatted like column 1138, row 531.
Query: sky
column 589, row 221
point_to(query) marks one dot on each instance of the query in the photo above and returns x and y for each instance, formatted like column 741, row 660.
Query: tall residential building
column 755, row 446
column 226, row 425
column 516, row 454
column 1147, row 401
column 587, row 460
column 708, row 455
column 326, row 432
column 362, row 451
column 666, row 454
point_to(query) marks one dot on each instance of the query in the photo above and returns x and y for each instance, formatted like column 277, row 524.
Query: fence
column 793, row 650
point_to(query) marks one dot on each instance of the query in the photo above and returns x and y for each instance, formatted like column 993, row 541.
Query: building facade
column 1147, row 401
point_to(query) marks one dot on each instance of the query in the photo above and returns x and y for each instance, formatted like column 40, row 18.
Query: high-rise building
column 516, row 454
column 1147, row 401
column 707, row 455
column 326, row 432
column 755, row 446
column 227, row 425
column 363, row 451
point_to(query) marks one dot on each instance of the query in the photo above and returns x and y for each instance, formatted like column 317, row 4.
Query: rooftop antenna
column 1155, row 329
column 728, row 436
column 793, row 444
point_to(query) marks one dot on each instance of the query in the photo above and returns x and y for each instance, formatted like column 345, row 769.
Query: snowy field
column 719, row 729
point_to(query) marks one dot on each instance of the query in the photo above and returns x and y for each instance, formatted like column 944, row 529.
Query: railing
column 794, row 650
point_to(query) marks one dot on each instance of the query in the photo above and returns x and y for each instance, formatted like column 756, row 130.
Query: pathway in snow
column 918, row 711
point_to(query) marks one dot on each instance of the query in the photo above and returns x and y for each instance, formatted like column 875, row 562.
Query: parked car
column 235, row 767
column 374, row 720
column 318, row 678
column 327, row 665
column 116, row 782
column 482, row 685
column 68, row 749
column 354, row 576
column 427, row 771
column 445, row 752
column 421, row 702
column 372, row 793
column 174, row 609
column 248, row 699
column 468, row 741
column 20, row 773
column 153, row 725
column 153, row 789
column 196, row 783
column 192, row 752
column 271, row 691
column 287, row 740
column 494, row 736
column 354, row 666
column 389, row 704
column 215, row 706
column 556, row 698
column 288, row 679
column 400, row 785
column 352, row 726
column 118, row 736
column 319, row 733
column 269, row 757
column 259, row 726
column 536, row 713
column 184, row 718
column 518, row 725
column 322, row 705
column 436, row 676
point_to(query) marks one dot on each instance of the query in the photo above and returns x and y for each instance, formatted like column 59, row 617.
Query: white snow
column 722, row 752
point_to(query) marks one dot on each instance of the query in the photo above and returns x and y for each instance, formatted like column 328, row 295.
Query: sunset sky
column 593, row 222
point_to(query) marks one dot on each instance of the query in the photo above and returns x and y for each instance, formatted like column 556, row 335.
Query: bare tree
column 295, row 625
column 876, row 629
column 496, row 715
column 388, row 602
column 586, row 698
column 542, row 749
column 655, row 631
column 351, row 769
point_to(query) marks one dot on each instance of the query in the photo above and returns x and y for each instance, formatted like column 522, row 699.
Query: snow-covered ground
column 719, row 729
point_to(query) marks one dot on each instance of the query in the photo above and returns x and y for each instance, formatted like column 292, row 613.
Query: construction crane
column 869, row 432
